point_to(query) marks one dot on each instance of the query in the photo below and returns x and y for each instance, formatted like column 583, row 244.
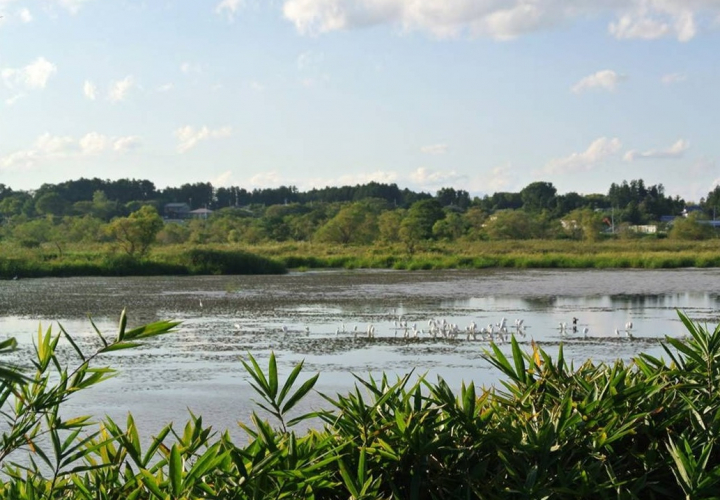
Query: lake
column 311, row 316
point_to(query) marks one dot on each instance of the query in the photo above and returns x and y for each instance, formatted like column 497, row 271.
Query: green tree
column 51, row 203
column 423, row 215
column 138, row 231
column 583, row 224
column 711, row 204
column 389, row 225
column 516, row 225
column 538, row 196
column 354, row 223
column 475, row 218
column 691, row 228
column 81, row 229
column 32, row 233
column 451, row 228
column 14, row 204
column 173, row 234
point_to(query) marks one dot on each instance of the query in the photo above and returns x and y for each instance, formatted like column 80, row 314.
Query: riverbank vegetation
column 277, row 258
column 99, row 227
column 644, row 429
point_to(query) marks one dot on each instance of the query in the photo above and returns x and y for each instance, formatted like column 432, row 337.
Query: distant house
column 176, row 211
column 690, row 209
column 643, row 229
column 200, row 213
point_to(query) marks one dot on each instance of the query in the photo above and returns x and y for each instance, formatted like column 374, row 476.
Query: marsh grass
column 277, row 257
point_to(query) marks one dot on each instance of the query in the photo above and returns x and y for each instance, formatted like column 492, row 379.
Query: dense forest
column 101, row 211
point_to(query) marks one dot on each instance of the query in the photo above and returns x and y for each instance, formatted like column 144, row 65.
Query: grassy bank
column 104, row 262
column 648, row 254
column 276, row 258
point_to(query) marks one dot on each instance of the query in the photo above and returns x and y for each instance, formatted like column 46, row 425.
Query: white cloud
column 188, row 137
column 223, row 180
column 671, row 78
column 677, row 150
column 229, row 7
column 120, row 88
column 50, row 147
column 12, row 100
column 188, row 68
column 33, row 76
column 72, row 6
column 501, row 178
column 435, row 149
column 93, row 143
column 598, row 151
column 166, row 88
column 428, row 178
column 123, row 144
column 46, row 147
column 649, row 20
column 606, row 79
column 501, row 19
column 309, row 59
column 267, row 179
column 90, row 90
column 25, row 15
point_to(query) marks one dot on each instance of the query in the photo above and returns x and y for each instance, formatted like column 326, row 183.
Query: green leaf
column 119, row 346
column 175, row 471
column 300, row 393
column 273, row 376
column 151, row 484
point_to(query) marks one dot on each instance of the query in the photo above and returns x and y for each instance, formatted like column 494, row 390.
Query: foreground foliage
column 646, row 429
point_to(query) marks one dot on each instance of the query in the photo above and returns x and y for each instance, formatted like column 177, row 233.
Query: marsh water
column 313, row 316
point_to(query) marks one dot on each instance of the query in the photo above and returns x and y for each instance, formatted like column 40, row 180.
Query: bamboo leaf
column 175, row 471
column 273, row 376
column 119, row 346
column 300, row 393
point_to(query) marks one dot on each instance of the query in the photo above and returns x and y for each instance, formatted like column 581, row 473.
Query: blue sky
column 482, row 95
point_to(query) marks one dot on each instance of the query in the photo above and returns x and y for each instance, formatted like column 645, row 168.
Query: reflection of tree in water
column 540, row 302
column 648, row 300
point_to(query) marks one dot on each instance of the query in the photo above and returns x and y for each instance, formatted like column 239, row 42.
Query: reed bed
column 104, row 260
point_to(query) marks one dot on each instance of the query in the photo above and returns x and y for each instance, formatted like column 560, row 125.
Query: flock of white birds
column 499, row 332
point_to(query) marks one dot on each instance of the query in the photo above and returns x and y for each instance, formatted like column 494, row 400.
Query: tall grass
column 276, row 257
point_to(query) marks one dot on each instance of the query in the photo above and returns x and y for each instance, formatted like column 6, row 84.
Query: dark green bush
column 207, row 261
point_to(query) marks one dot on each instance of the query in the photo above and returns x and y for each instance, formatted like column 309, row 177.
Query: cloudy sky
column 482, row 95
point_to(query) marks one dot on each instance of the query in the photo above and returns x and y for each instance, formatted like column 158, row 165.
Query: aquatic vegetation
column 645, row 429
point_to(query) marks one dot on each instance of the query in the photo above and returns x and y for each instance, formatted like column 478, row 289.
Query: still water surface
column 225, row 317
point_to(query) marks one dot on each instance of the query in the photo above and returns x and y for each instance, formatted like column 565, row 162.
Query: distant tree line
column 96, row 210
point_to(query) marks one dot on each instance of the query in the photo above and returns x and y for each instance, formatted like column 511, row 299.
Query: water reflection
column 314, row 317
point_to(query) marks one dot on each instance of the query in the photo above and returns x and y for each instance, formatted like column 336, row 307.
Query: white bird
column 284, row 330
column 236, row 326
column 617, row 332
column 585, row 332
column 200, row 300
column 307, row 331
column 629, row 325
